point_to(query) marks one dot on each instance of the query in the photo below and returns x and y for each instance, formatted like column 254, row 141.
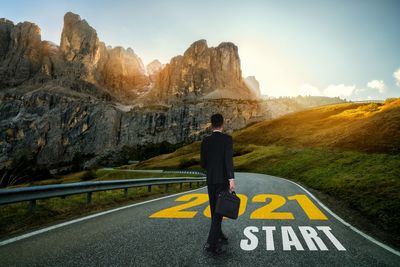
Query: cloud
column 347, row 91
column 308, row 89
column 396, row 76
column 377, row 84
column 359, row 90
column 340, row 90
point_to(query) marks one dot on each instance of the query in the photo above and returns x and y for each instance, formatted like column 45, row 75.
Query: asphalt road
column 130, row 237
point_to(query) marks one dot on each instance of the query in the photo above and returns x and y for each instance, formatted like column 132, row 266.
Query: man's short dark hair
column 217, row 120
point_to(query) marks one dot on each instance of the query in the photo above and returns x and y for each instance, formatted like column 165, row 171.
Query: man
column 216, row 157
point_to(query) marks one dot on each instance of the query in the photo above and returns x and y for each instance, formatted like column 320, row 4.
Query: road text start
column 289, row 238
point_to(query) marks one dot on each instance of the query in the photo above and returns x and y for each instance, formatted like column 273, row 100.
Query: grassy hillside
column 349, row 151
column 360, row 127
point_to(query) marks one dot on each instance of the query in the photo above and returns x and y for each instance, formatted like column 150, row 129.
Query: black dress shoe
column 223, row 239
column 216, row 250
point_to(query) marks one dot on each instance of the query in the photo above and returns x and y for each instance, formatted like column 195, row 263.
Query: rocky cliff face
column 79, row 42
column 60, row 126
column 124, row 73
column 84, row 56
column 118, row 70
column 203, row 72
column 20, row 52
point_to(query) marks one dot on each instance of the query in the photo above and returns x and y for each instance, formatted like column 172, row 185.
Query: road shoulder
column 355, row 218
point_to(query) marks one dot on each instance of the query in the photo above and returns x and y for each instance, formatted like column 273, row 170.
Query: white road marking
column 269, row 236
column 11, row 240
column 289, row 239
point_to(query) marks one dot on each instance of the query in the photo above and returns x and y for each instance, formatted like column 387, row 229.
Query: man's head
column 217, row 121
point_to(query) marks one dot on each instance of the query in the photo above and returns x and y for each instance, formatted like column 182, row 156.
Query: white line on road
column 343, row 221
column 11, row 240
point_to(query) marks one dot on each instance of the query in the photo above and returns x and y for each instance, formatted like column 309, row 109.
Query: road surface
column 280, row 225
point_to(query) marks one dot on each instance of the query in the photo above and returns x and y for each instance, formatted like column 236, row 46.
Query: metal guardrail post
column 125, row 192
column 149, row 188
column 89, row 198
column 180, row 186
column 190, row 184
column 32, row 206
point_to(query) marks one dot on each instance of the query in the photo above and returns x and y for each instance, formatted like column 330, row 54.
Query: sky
column 346, row 48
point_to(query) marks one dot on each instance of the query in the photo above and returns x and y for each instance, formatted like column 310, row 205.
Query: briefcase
column 228, row 204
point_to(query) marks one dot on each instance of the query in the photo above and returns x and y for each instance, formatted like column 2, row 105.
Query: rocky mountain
column 84, row 102
column 203, row 72
column 118, row 70
column 153, row 68
column 21, row 52
column 82, row 62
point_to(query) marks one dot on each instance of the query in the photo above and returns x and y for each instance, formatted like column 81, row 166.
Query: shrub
column 239, row 150
column 369, row 108
column 23, row 168
column 89, row 175
column 185, row 163
column 79, row 159
column 390, row 100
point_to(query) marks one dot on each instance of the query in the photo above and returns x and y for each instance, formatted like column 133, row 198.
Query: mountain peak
column 204, row 72
column 78, row 38
column 153, row 68
column 198, row 46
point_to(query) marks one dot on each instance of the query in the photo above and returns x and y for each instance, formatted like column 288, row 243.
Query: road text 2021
column 266, row 212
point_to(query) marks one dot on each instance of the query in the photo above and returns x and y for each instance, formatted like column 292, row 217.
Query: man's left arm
column 203, row 157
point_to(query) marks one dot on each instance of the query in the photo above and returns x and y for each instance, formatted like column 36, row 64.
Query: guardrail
column 33, row 193
column 184, row 171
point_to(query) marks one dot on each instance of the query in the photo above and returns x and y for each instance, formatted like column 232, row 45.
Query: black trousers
column 216, row 220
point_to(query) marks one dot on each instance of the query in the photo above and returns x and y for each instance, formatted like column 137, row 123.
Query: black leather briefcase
column 228, row 204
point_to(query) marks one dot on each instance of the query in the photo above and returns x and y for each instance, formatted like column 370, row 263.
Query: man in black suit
column 216, row 157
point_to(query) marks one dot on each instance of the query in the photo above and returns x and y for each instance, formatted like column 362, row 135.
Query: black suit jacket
column 216, row 157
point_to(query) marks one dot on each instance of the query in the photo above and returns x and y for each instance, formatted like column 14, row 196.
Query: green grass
column 369, row 183
column 16, row 218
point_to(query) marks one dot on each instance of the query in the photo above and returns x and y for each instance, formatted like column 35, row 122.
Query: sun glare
column 278, row 73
